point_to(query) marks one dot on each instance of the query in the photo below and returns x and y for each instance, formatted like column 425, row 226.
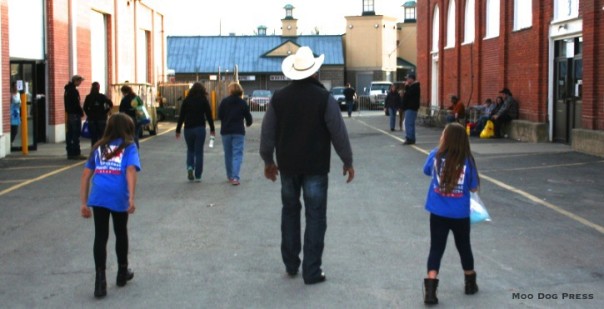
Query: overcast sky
column 242, row 17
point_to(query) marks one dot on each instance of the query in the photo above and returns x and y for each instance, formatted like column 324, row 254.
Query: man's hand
column 350, row 172
column 271, row 171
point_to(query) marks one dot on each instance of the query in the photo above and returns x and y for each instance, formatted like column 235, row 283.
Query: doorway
column 568, row 88
column 30, row 80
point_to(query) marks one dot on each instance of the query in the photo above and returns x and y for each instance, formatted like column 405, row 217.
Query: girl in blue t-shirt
column 112, row 167
column 454, row 176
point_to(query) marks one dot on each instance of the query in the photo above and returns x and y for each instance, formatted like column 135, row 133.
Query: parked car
column 338, row 94
column 377, row 93
column 259, row 99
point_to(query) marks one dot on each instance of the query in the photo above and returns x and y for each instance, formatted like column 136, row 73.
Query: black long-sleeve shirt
column 194, row 112
column 72, row 100
column 232, row 111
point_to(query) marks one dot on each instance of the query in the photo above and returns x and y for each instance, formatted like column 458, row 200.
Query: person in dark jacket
column 506, row 113
column 392, row 104
column 74, row 118
column 128, row 106
column 410, row 107
column 96, row 107
column 232, row 113
column 301, row 123
column 194, row 112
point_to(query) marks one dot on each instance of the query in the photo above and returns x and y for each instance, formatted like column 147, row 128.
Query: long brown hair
column 197, row 90
column 454, row 148
column 119, row 126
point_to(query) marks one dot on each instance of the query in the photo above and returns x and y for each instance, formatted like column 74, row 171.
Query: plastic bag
column 478, row 213
column 489, row 130
column 85, row 132
column 142, row 115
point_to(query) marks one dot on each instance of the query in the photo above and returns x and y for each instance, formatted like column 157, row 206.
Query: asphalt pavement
column 214, row 245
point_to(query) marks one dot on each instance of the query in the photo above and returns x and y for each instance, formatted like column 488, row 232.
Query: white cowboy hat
column 302, row 64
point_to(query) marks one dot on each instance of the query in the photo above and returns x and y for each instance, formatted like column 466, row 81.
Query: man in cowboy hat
column 301, row 123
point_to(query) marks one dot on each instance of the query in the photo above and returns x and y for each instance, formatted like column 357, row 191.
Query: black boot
column 100, row 284
column 430, row 286
column 124, row 274
column 471, row 287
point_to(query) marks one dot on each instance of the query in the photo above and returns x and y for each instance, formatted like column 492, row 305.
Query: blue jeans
column 392, row 115
column 410, row 116
column 314, row 190
column 349, row 106
column 195, row 138
column 233, row 154
column 72, row 136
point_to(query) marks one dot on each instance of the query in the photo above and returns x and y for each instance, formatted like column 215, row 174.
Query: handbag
column 142, row 115
column 489, row 130
column 85, row 132
column 478, row 213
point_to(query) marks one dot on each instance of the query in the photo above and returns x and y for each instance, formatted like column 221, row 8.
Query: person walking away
column 74, row 118
column 128, row 106
column 349, row 96
column 457, row 110
column 410, row 107
column 507, row 112
column 233, row 111
column 15, row 111
column 194, row 112
column 302, row 122
column 97, row 107
column 392, row 104
column 108, row 187
column 454, row 175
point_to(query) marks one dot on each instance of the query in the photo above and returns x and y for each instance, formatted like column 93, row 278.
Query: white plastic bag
column 478, row 212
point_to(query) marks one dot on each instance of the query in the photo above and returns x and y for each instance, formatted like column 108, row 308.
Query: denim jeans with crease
column 410, row 116
column 233, row 145
column 195, row 138
column 314, row 193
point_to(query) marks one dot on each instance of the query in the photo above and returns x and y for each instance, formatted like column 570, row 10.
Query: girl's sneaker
column 190, row 173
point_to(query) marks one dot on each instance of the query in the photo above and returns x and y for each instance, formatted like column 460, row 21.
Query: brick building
column 45, row 42
column 548, row 53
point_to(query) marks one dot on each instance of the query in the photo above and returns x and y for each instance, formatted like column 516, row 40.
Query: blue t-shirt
column 109, row 184
column 15, row 110
column 455, row 204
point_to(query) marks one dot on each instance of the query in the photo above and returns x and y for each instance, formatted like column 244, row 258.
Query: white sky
column 205, row 17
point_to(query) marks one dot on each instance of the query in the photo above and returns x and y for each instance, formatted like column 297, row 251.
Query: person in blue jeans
column 233, row 111
column 301, row 124
column 194, row 112
column 410, row 107
column 74, row 118
column 454, row 175
column 349, row 96
column 392, row 104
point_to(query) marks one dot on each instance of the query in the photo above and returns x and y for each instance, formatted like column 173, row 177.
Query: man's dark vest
column 303, row 143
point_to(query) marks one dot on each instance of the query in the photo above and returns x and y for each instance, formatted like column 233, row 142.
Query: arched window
column 492, row 29
column 451, row 24
column 523, row 14
column 469, row 22
column 435, row 29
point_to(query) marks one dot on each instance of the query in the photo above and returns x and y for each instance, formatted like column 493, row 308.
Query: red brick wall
column 58, row 58
column 518, row 60
column 5, row 68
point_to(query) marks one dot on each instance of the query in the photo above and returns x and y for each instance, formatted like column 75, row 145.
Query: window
column 565, row 9
column 523, row 14
column 492, row 30
column 435, row 29
column 410, row 11
column 368, row 6
column 469, row 22
column 451, row 24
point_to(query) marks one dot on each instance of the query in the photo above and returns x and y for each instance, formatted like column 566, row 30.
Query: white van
column 377, row 93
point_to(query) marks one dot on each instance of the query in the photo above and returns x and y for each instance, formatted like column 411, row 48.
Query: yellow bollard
column 24, row 143
column 213, row 103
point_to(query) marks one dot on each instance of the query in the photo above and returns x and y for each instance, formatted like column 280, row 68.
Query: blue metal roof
column 204, row 54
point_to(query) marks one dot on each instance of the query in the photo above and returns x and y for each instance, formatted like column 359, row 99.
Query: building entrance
column 30, row 81
column 568, row 86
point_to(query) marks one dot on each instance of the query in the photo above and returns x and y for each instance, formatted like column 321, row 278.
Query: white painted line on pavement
column 30, row 181
column 505, row 186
